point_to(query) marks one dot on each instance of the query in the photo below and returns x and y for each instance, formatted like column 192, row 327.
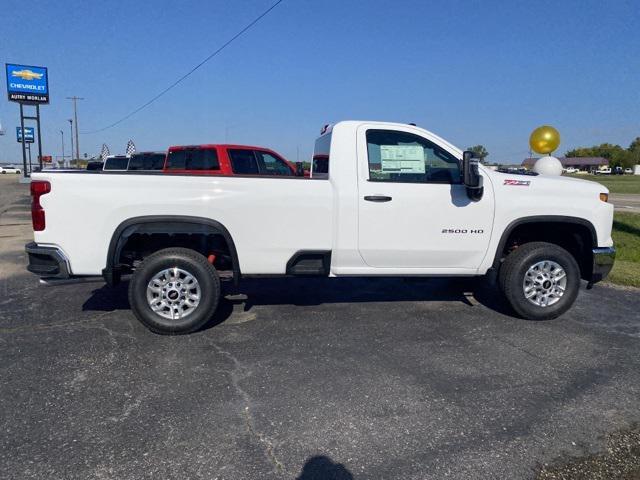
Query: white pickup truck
column 395, row 200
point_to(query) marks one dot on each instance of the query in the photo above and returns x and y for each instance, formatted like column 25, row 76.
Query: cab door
column 413, row 210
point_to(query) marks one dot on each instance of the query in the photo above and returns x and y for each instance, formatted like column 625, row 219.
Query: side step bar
column 310, row 263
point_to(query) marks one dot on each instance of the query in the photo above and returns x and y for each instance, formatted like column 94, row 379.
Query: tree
column 617, row 156
column 480, row 152
column 634, row 152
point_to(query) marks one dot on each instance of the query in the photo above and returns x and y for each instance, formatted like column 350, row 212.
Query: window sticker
column 402, row 158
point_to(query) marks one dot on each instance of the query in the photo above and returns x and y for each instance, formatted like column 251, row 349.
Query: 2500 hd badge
column 463, row 230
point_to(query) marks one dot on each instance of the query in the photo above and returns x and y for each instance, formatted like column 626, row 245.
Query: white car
column 603, row 171
column 393, row 200
column 628, row 171
column 10, row 169
column 570, row 170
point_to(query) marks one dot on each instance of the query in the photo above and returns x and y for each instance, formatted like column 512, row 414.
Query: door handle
column 377, row 198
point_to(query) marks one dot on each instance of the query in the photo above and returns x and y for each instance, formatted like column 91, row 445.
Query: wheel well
column 577, row 238
column 138, row 238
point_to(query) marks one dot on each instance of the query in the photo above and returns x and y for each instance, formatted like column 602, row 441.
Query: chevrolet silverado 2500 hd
column 393, row 200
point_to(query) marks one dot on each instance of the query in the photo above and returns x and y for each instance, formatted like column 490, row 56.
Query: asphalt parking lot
column 626, row 202
column 312, row 379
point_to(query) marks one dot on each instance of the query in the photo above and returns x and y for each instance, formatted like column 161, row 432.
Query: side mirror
column 471, row 176
column 299, row 169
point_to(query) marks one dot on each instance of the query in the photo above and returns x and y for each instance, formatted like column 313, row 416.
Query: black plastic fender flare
column 164, row 224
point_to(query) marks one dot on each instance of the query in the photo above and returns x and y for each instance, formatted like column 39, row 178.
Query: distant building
column 586, row 164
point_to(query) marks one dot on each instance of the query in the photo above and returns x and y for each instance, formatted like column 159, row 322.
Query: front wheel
column 174, row 291
column 540, row 280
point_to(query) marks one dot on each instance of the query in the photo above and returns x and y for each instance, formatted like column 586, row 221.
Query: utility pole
column 29, row 150
column 74, row 99
column 71, row 130
column 64, row 162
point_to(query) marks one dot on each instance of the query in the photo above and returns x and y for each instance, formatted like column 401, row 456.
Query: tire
column 519, row 273
column 171, row 279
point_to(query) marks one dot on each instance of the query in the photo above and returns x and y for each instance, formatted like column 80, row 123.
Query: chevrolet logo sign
column 27, row 74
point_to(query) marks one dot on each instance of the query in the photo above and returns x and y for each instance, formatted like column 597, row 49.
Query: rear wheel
column 174, row 291
column 540, row 280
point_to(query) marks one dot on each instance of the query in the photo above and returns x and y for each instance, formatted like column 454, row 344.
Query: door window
column 243, row 162
column 270, row 165
column 193, row 159
column 403, row 157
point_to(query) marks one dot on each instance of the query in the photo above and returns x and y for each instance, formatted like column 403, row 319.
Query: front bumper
column 48, row 262
column 603, row 258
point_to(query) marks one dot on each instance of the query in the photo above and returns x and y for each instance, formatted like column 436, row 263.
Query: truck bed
column 285, row 213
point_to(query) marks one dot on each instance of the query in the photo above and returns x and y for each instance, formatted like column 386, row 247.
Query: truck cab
column 414, row 210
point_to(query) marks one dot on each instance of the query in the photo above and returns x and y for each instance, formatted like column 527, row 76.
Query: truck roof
column 352, row 125
column 219, row 145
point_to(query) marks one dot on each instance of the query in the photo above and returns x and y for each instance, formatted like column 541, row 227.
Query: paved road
column 316, row 379
column 625, row 202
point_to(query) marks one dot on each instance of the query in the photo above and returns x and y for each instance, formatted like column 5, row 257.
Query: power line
column 129, row 115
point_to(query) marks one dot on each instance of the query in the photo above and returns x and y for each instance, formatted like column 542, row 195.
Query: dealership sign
column 29, row 134
column 27, row 84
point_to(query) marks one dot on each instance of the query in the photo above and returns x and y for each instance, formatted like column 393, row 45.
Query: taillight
column 38, row 188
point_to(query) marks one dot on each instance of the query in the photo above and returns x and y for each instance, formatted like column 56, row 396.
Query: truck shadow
column 254, row 292
column 322, row 467
column 318, row 291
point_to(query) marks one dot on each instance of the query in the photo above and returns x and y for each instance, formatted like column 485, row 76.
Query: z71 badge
column 521, row 183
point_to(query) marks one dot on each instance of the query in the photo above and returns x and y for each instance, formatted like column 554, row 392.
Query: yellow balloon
column 544, row 139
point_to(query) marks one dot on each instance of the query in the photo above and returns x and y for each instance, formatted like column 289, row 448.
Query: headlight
column 604, row 197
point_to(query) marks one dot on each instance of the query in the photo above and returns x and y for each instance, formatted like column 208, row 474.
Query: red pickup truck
column 228, row 160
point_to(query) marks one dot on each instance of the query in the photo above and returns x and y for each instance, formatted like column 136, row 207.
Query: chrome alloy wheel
column 173, row 293
column 544, row 283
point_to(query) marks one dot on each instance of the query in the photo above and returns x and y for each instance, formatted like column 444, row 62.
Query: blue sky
column 471, row 71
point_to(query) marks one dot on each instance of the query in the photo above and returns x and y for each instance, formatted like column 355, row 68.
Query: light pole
column 63, row 160
column 71, row 130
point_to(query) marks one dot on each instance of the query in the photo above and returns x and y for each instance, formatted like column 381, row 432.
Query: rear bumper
column 47, row 262
column 603, row 258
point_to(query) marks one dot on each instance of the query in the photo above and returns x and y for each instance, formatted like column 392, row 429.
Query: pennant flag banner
column 131, row 148
column 105, row 152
